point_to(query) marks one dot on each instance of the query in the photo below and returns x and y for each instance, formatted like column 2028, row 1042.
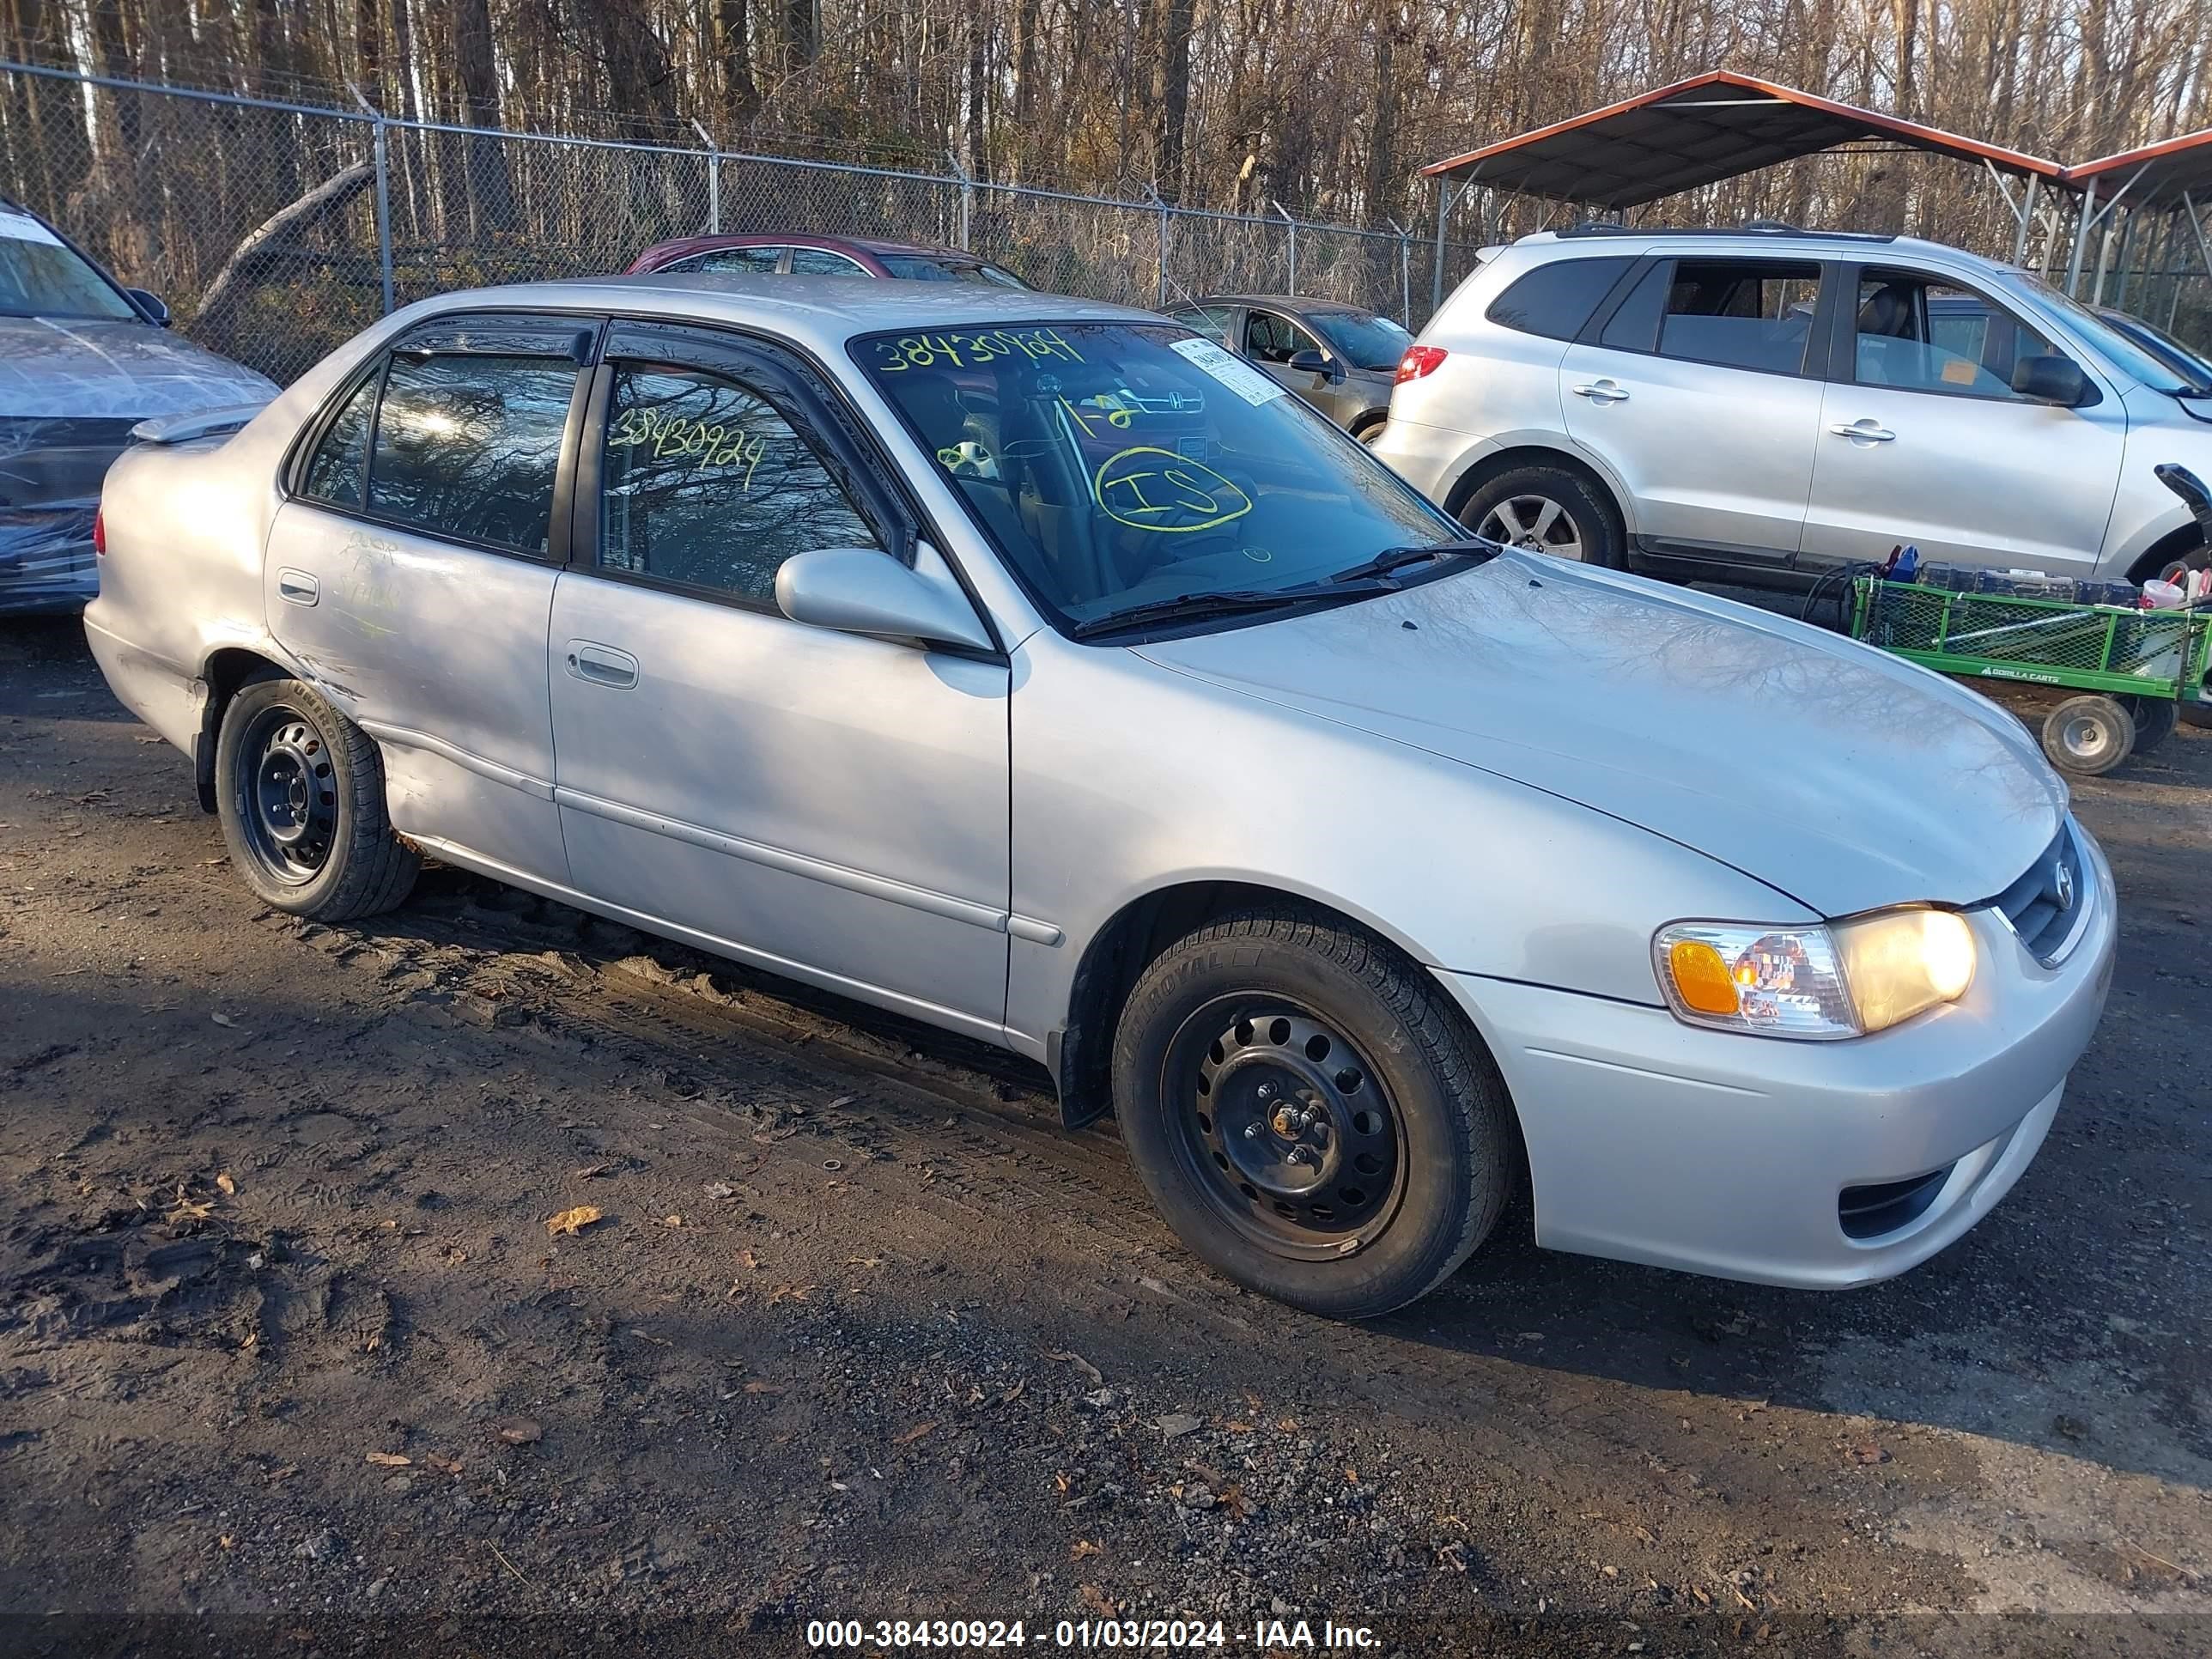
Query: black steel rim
column 1286, row 1131
column 287, row 795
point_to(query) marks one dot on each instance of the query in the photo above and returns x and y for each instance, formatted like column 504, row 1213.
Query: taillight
column 1418, row 361
column 99, row 531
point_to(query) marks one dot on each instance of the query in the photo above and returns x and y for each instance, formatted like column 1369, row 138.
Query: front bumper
column 1653, row 1141
column 46, row 561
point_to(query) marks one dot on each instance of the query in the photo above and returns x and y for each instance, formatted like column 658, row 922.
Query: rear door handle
column 1602, row 391
column 601, row 664
column 297, row 586
column 1867, row 431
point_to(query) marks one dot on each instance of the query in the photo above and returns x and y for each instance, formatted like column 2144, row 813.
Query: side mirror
column 155, row 309
column 2053, row 379
column 1311, row 362
column 861, row 590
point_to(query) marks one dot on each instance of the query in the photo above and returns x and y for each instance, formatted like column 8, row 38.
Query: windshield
column 2185, row 359
column 1361, row 338
column 1116, row 463
column 916, row 268
column 40, row 275
column 2128, row 355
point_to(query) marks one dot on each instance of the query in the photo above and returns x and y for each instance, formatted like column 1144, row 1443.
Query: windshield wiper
column 1224, row 602
column 1398, row 558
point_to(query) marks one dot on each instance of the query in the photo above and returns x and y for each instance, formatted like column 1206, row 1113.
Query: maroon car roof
column 683, row 247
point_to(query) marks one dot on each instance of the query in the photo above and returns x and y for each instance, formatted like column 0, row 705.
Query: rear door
column 1922, row 438
column 818, row 803
column 411, row 572
column 1699, row 390
column 1271, row 340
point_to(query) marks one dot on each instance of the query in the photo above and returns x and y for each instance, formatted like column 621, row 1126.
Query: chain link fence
column 274, row 231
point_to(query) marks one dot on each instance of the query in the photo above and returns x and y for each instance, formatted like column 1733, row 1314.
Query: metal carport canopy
column 1714, row 126
column 2155, row 176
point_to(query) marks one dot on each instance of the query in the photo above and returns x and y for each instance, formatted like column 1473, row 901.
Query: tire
column 2154, row 718
column 1548, row 509
column 1234, row 1031
column 1372, row 432
column 2088, row 736
column 300, row 790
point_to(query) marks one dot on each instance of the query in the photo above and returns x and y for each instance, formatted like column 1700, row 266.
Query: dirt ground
column 289, row 1363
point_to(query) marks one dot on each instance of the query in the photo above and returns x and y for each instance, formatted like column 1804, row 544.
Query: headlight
column 1845, row 980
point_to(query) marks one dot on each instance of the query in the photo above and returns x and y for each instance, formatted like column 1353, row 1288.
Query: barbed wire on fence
column 275, row 231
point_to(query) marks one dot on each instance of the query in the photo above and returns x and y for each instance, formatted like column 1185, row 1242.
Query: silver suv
column 1775, row 402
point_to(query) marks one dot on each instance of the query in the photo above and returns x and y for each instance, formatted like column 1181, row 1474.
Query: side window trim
column 558, row 540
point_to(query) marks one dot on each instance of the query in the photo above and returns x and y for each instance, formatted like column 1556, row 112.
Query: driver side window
column 467, row 445
column 705, row 484
column 1272, row 339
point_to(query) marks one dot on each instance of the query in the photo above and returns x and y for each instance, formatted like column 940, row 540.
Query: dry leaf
column 1062, row 1482
column 443, row 1465
column 1015, row 1393
column 521, row 1431
column 1096, row 1377
column 672, row 1221
column 1082, row 1546
column 593, row 1172
column 748, row 1260
column 1097, row 1601
column 765, row 1387
column 572, row 1222
column 1233, row 1500
column 391, row 1460
column 1350, row 1475
column 228, row 1187
column 1700, row 1596
column 911, row 1435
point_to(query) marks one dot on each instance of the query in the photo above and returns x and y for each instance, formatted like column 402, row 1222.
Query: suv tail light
column 99, row 531
column 1418, row 361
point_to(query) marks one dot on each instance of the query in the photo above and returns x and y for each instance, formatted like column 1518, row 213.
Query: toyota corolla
column 1039, row 670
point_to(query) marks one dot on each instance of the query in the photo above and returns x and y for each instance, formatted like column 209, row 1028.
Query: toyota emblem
column 2062, row 888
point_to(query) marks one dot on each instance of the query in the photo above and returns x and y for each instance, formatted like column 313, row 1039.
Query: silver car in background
column 1042, row 671
column 82, row 360
column 1771, row 403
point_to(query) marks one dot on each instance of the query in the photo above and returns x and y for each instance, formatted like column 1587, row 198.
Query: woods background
column 1327, row 107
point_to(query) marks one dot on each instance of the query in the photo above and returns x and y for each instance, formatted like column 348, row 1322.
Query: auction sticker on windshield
column 1233, row 372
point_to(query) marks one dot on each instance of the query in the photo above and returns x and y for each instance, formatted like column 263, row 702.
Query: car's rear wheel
column 301, row 796
column 1310, row 1113
column 1545, row 509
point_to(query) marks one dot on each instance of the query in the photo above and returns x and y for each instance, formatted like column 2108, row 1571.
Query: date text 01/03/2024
column 1266, row 1634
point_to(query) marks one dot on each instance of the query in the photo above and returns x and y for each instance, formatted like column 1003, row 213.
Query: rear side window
column 339, row 465
column 821, row 262
column 467, row 447
column 1740, row 313
column 1556, row 300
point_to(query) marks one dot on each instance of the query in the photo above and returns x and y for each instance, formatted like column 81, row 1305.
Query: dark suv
column 797, row 254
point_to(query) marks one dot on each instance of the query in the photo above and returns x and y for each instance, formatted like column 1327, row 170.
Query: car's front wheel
column 301, row 795
column 1545, row 509
column 1310, row 1113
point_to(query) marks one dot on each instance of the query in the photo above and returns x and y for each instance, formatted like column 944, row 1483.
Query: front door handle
column 1869, row 431
column 297, row 586
column 1602, row 391
column 601, row 664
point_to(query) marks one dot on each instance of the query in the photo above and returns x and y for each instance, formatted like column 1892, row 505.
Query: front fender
column 1130, row 778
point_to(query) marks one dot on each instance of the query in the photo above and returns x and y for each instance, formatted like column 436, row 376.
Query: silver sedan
column 1042, row 671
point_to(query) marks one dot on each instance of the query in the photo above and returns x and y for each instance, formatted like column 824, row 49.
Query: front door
column 411, row 571
column 1697, row 395
column 820, row 804
column 1926, row 441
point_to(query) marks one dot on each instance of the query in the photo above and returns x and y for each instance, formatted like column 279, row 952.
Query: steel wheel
column 287, row 795
column 1534, row 522
column 1291, row 1135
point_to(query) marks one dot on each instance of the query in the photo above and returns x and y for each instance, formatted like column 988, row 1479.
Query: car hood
column 1844, row 778
column 84, row 367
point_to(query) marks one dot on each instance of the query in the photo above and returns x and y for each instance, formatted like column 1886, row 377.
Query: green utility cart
column 2133, row 667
